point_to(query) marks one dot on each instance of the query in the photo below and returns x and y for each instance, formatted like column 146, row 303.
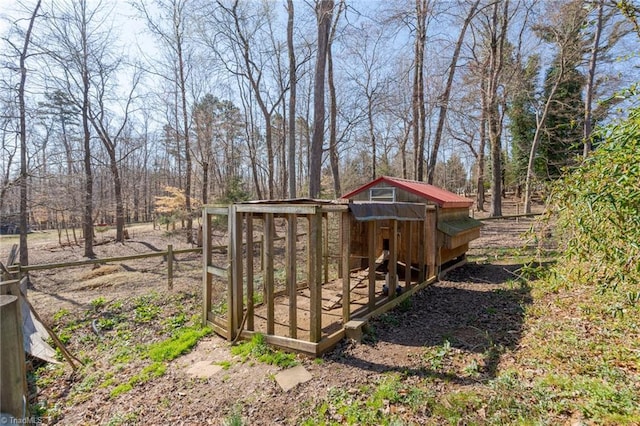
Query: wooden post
column 235, row 248
column 371, row 243
column 170, row 266
column 430, row 238
column 261, row 246
column 346, row 258
column 420, row 227
column 291, row 272
column 393, row 258
column 315, row 275
column 407, row 253
column 325, row 248
column 207, row 278
column 12, row 362
column 340, row 264
column 230, row 303
column 249, row 239
column 268, row 271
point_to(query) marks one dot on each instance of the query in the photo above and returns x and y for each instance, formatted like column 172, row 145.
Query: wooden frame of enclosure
column 238, row 321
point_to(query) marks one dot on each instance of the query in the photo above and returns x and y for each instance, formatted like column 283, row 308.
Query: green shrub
column 598, row 207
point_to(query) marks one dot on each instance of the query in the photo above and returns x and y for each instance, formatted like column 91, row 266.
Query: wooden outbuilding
column 455, row 229
column 307, row 273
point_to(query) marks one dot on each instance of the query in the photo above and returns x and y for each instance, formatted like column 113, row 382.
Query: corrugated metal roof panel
column 440, row 196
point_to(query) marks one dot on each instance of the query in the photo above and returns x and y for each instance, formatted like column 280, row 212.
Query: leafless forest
column 104, row 105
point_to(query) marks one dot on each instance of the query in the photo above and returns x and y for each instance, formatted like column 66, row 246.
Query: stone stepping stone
column 292, row 377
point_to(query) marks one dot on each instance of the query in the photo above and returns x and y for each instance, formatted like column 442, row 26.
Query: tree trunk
column 494, row 124
column 333, row 116
column 324, row 11
column 24, row 224
column 444, row 98
column 483, row 142
column 419, row 119
column 372, row 136
column 185, row 126
column 536, row 141
column 588, row 146
column 334, row 159
column 87, row 218
column 291, row 152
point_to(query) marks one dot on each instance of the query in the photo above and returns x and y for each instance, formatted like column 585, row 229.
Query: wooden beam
column 281, row 209
column 286, row 343
column 430, row 238
column 215, row 210
column 371, row 243
column 346, row 259
column 250, row 289
column 393, row 258
column 267, row 280
column 406, row 228
column 325, row 248
column 420, row 233
column 238, row 272
column 206, row 263
column 315, row 275
column 291, row 272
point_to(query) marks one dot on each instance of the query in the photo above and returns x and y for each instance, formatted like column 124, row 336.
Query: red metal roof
column 441, row 197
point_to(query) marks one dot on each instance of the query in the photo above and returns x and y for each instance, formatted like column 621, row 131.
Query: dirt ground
column 478, row 309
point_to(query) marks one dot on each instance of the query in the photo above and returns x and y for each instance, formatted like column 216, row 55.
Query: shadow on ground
column 478, row 308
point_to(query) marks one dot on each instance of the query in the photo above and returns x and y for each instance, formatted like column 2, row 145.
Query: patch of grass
column 224, row 364
column 146, row 313
column 120, row 389
column 257, row 348
column 60, row 314
column 382, row 403
column 98, row 303
column 157, row 369
column 436, row 355
column 123, row 419
column 180, row 343
column 176, row 321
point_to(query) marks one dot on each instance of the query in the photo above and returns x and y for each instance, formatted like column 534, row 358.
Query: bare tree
column 77, row 44
column 293, row 83
column 334, row 159
column 561, row 27
column 173, row 38
column 324, row 11
column 101, row 119
column 419, row 119
column 24, row 54
column 446, row 94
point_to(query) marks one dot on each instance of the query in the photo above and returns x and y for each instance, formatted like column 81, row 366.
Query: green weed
column 179, row 344
column 257, row 348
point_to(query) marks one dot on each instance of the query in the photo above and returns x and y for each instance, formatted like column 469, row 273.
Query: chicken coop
column 307, row 273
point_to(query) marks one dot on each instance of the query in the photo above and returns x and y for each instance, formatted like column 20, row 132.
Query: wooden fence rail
column 513, row 216
column 18, row 270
